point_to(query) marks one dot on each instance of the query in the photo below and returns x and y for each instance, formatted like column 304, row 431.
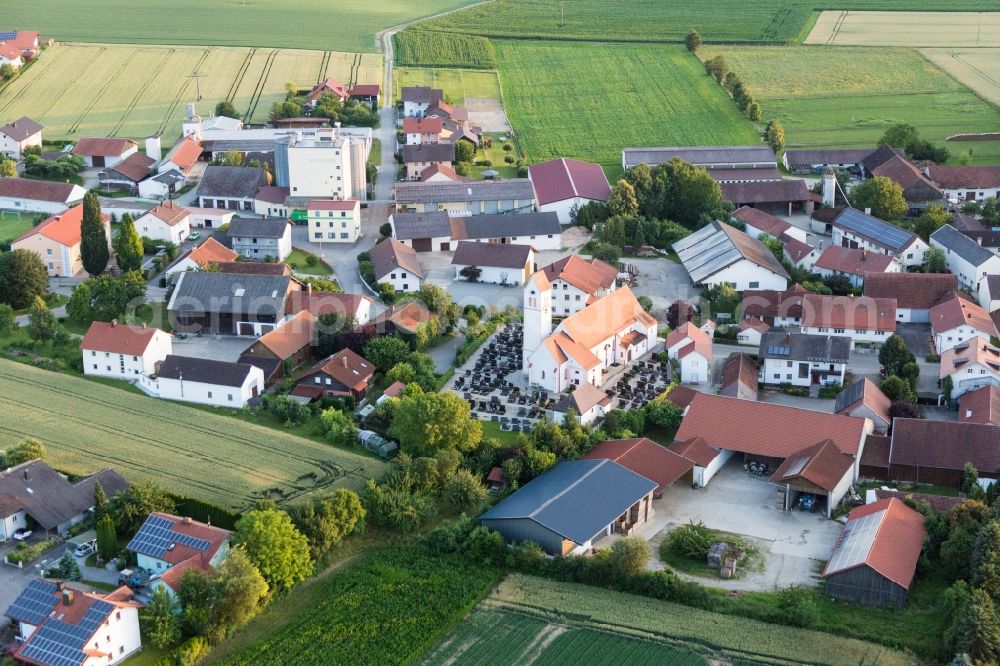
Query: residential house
column 18, row 135
column 957, row 320
column 612, row 329
column 37, row 497
column 161, row 186
column 915, row 293
column 367, row 93
column 693, row 350
column 540, row 230
column 204, row 381
column 287, row 345
column 989, row 293
column 799, row 254
column 229, row 303
column 121, row 351
column 58, row 624
column 855, row 229
column 981, row 405
column 588, row 402
column 417, row 99
column 575, row 283
column 209, row 252
column 182, row 157
column 403, row 320
column 966, row 258
column 854, row 263
column 646, row 458
column 710, row 157
column 863, row 398
column 231, row 187
column 422, row 130
column 334, row 220
column 971, row 364
column 440, row 173
column 352, row 307
column 708, row 327
column 516, row 195
column 38, row 196
column 261, row 239
column 819, row 470
column 167, row 546
column 749, row 331
column 344, row 375
column 327, row 86
column 960, row 184
column 418, row 157
column 777, row 308
column 782, row 196
column 759, row 223
column 876, row 554
column 169, row 222
column 572, row 505
column 56, row 241
column 719, row 253
column 396, row 264
column 104, row 152
column 863, row 319
column 918, row 190
column 504, row 264
column 803, row 360
column 563, row 185
column 936, row 452
column 18, row 47
column 424, row 232
column 127, row 174
column 270, row 201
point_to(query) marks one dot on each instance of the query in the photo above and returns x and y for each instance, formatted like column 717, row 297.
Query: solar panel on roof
column 8, row 35
column 778, row 350
column 874, row 228
column 157, row 535
column 35, row 603
column 856, row 542
column 796, row 466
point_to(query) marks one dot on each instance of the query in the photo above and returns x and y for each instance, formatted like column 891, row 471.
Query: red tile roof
column 917, row 291
column 406, row 317
column 752, row 249
column 940, row 503
column 980, row 406
column 903, row 172
column 134, row 167
column 562, row 179
column 289, row 338
column 347, row 367
column 365, row 90
column 872, row 398
column 63, row 228
column 766, row 429
column 583, row 399
column 170, row 212
column 38, row 190
column 394, row 390
column 957, row 311
column 854, row 261
column 821, row 465
column 430, row 125
column 118, row 338
column 945, row 444
column 876, row 451
column 328, row 86
column 605, row 317
column 681, row 396
column 762, row 221
column 695, row 449
column 762, row 303
column 216, row 536
column 848, row 312
column 796, row 249
column 896, row 545
column 969, row 353
column 186, row 153
column 212, row 251
column 435, row 169
column 644, row 457
column 587, row 276
column 700, row 342
column 273, row 194
column 320, row 303
column 334, row 204
column 965, row 177
column 739, row 369
column 102, row 147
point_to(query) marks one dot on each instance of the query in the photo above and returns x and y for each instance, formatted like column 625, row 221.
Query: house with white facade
column 915, row 293
column 166, row 546
column 803, row 360
column 966, row 258
column 802, row 255
column 103, row 152
column 612, row 329
column 854, row 263
column 868, row 321
column 422, row 130
column 966, row 183
column 396, row 264
column 322, row 165
column 424, row 232
column 989, row 293
column 577, row 282
column 855, row 229
column 38, row 196
column 204, row 381
column 168, row 221
column 417, row 99
column 121, row 351
column 971, row 365
column 759, row 223
column 956, row 320
column 587, row 401
column 20, row 134
column 504, row 264
column 58, row 624
column 260, row 239
column 334, row 220
column 562, row 185
column 750, row 331
column 421, row 156
column 474, row 197
column 721, row 254
column 692, row 348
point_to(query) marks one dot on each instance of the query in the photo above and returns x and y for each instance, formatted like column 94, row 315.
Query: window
column 754, row 285
column 93, row 353
column 230, row 396
column 95, row 366
column 788, row 364
column 838, row 330
column 49, row 251
column 319, row 380
column 121, row 649
column 777, row 375
column 209, row 394
column 345, row 235
column 318, row 234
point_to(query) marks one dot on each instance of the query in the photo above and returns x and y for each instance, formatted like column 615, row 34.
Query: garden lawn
column 13, row 225
column 492, row 429
column 862, row 92
column 589, row 101
column 297, row 260
column 458, row 84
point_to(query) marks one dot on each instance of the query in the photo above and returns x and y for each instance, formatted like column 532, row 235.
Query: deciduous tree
column 629, row 556
column 238, row 590
column 717, row 67
column 894, row 354
column 934, row 260
column 622, row 200
column 8, row 168
column 692, row 41
column 933, row 218
column 883, row 196
column 29, row 449
column 386, row 351
column 274, row 545
column 328, row 521
column 465, row 152
column 428, row 422
column 93, row 238
column 42, row 324
column 160, row 621
column 897, row 388
column 774, row 134
column 22, row 278
column 132, row 506
column 226, row 108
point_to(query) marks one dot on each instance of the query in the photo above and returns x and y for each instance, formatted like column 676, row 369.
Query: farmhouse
column 230, row 304
column 167, row 222
column 803, row 360
column 863, row 398
column 646, row 458
column 880, row 156
column 588, row 402
column 875, row 557
column 466, row 198
column 854, row 263
column 612, row 329
column 777, row 308
column 396, row 264
column 261, row 239
column 937, row 451
column 966, row 183
column 739, row 377
column 56, row 241
column 750, row 331
column 775, row 196
column 715, row 157
column 863, row 319
column 101, row 152
column 504, row 264
column 204, row 381
column 759, row 223
column 18, row 135
column 966, row 258
column 121, row 351
column 127, row 174
column 917, row 189
column 854, row 229
column 915, row 293
column 209, row 252
column 230, row 187
column 575, row 283
column 692, row 348
column 334, row 220
column 540, row 230
column 170, row 545
column 980, row 406
column 957, row 320
column 719, row 253
column 344, row 374
column 40, row 196
column 971, row 364
column 572, row 505
column 815, row 161
column 420, row 156
column 59, row 625
column 422, row 130
column 35, row 492
column 417, row 99
column 327, row 87
column 289, row 343
column 562, row 185
column 820, row 470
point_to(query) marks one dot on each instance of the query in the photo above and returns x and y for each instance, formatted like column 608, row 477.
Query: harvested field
column 199, row 453
column 979, row 69
column 871, row 28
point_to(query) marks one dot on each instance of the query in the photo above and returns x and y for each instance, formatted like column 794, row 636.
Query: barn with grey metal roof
column 709, row 157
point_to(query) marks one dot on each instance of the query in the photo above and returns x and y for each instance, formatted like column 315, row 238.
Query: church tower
column 537, row 315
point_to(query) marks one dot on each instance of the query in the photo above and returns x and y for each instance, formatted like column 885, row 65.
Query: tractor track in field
column 323, row 66
column 140, row 93
column 238, row 80
column 49, row 68
column 96, row 97
column 180, row 92
column 62, row 91
column 261, row 83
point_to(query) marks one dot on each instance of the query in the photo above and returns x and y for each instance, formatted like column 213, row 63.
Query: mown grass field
column 780, row 21
column 345, row 25
column 588, row 101
column 192, row 452
column 711, row 634
column 848, row 96
column 13, row 225
column 978, row 69
column 79, row 90
column 870, row 28
column 458, row 84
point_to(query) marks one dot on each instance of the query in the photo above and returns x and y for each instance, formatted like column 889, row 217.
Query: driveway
column 664, row 281
column 216, row 347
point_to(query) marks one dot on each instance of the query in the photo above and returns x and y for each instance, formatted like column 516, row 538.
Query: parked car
column 195, row 236
column 22, row 534
column 85, row 549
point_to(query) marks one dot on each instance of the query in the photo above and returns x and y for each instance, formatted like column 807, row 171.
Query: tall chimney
column 829, row 187
column 67, row 597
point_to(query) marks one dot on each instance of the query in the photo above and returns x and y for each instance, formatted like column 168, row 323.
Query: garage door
column 422, row 244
